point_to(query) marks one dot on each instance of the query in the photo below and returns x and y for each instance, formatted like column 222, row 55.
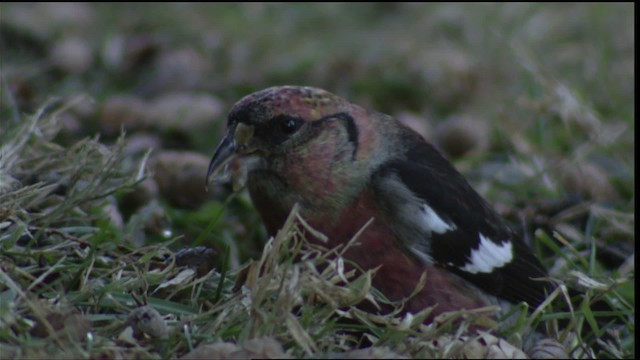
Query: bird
column 346, row 167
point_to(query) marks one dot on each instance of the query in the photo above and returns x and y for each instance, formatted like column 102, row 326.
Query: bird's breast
column 376, row 246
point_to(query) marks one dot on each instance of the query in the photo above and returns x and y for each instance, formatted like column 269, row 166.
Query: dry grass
column 550, row 84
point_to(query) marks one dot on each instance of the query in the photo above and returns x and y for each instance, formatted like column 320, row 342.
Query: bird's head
column 303, row 134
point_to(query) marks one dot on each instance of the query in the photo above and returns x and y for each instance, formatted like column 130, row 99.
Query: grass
column 78, row 262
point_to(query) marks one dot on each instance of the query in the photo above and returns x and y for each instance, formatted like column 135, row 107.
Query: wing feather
column 441, row 219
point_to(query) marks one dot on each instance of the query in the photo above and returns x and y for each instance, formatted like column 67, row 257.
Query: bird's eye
column 289, row 125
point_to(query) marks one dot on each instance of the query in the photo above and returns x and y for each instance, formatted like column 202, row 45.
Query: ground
column 534, row 104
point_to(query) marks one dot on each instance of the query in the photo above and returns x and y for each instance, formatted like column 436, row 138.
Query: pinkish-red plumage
column 399, row 273
column 377, row 246
column 344, row 165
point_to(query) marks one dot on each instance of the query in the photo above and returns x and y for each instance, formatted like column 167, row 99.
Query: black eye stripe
column 278, row 129
column 349, row 123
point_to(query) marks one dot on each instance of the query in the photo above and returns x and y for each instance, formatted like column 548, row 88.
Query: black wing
column 440, row 218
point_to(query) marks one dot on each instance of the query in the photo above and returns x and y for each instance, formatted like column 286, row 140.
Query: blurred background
column 533, row 102
column 109, row 114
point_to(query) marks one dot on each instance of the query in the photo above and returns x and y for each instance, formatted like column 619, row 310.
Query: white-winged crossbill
column 345, row 165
